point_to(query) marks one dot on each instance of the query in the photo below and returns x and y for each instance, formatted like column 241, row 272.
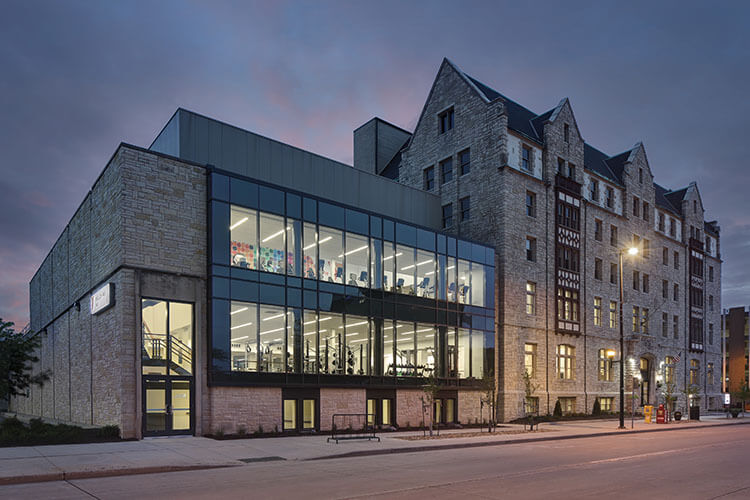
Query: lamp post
column 631, row 251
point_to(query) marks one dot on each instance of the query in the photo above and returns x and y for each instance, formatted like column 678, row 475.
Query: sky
column 79, row 77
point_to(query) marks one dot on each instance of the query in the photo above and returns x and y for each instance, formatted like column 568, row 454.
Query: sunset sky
column 79, row 77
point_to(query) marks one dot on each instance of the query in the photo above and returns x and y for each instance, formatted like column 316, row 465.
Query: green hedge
column 13, row 432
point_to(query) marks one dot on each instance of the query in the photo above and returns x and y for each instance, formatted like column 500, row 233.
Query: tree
column 597, row 408
column 431, row 390
column 529, row 388
column 669, row 398
column 489, row 398
column 17, row 355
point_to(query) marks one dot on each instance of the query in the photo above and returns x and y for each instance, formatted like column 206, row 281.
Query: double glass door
column 167, row 405
column 167, row 367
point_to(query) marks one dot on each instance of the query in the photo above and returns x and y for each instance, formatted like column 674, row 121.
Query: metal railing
column 352, row 426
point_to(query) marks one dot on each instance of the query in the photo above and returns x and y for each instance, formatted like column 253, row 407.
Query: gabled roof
column 519, row 118
column 596, row 161
column 662, row 201
column 675, row 198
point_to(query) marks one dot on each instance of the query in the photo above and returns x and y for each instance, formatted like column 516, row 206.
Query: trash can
column 695, row 413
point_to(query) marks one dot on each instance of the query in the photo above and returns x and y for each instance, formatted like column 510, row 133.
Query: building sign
column 727, row 399
column 102, row 298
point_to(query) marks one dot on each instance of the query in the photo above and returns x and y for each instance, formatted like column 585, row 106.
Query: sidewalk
column 58, row 462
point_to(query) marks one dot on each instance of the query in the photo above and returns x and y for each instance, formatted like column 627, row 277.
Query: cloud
column 79, row 77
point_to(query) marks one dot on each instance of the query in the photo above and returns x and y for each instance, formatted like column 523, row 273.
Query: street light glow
column 632, row 251
column 610, row 353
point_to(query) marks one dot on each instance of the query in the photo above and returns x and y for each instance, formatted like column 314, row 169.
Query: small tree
column 742, row 394
column 558, row 409
column 489, row 398
column 529, row 388
column 668, row 391
column 597, row 408
column 431, row 389
column 17, row 355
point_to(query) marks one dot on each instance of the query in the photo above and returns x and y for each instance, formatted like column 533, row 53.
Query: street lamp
column 631, row 251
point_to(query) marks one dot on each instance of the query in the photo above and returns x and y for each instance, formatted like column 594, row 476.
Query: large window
column 167, row 335
column 310, row 249
column 244, row 237
column 331, row 255
column 612, row 314
column 272, row 243
column 357, row 260
column 406, row 268
column 425, row 269
column 597, row 311
column 565, row 362
column 695, row 367
column 605, row 366
column 529, row 359
column 530, row 298
column 272, row 340
column 244, row 336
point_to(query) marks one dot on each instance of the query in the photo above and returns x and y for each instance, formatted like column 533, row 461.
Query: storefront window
column 331, row 251
column 406, row 265
column 451, row 354
column 463, row 353
column 331, row 343
column 450, row 279
column 389, row 364
column 154, row 319
column 357, row 258
column 357, row 350
column 477, row 354
column 464, row 283
column 290, row 414
column 272, row 336
column 180, row 338
column 243, row 231
column 405, row 350
column 244, row 336
column 310, row 250
column 425, row 274
column 389, row 264
column 294, row 255
column 425, row 350
column 310, row 360
column 477, row 284
column 376, row 264
column 272, row 241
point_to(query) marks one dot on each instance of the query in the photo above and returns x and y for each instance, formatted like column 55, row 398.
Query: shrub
column 558, row 409
column 597, row 408
column 241, row 430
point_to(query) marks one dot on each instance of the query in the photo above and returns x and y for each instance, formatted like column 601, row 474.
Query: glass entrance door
column 167, row 367
column 645, row 381
column 167, row 405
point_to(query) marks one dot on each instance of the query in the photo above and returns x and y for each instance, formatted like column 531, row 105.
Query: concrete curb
column 88, row 474
column 419, row 449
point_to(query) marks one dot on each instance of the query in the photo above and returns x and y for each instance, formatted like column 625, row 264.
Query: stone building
column 220, row 281
column 559, row 212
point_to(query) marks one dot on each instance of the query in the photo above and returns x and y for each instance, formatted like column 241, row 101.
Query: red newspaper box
column 661, row 415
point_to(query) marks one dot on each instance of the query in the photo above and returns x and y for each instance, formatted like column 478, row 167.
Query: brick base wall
column 251, row 407
column 340, row 401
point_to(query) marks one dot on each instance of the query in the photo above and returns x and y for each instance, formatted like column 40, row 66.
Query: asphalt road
column 701, row 463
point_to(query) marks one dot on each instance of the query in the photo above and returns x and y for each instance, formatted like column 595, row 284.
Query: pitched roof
column 675, row 198
column 519, row 117
column 662, row 200
column 596, row 161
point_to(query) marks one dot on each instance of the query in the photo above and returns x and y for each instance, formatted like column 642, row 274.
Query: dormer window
column 445, row 120
column 594, row 195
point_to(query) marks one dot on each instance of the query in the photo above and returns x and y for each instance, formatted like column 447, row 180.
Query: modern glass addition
column 269, row 243
column 314, row 289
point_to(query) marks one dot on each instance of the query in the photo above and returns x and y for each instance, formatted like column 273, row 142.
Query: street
column 692, row 463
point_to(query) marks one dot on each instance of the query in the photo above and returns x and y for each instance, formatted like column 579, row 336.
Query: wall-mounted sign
column 102, row 298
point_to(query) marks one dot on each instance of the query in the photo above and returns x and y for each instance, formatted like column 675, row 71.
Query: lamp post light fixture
column 631, row 251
